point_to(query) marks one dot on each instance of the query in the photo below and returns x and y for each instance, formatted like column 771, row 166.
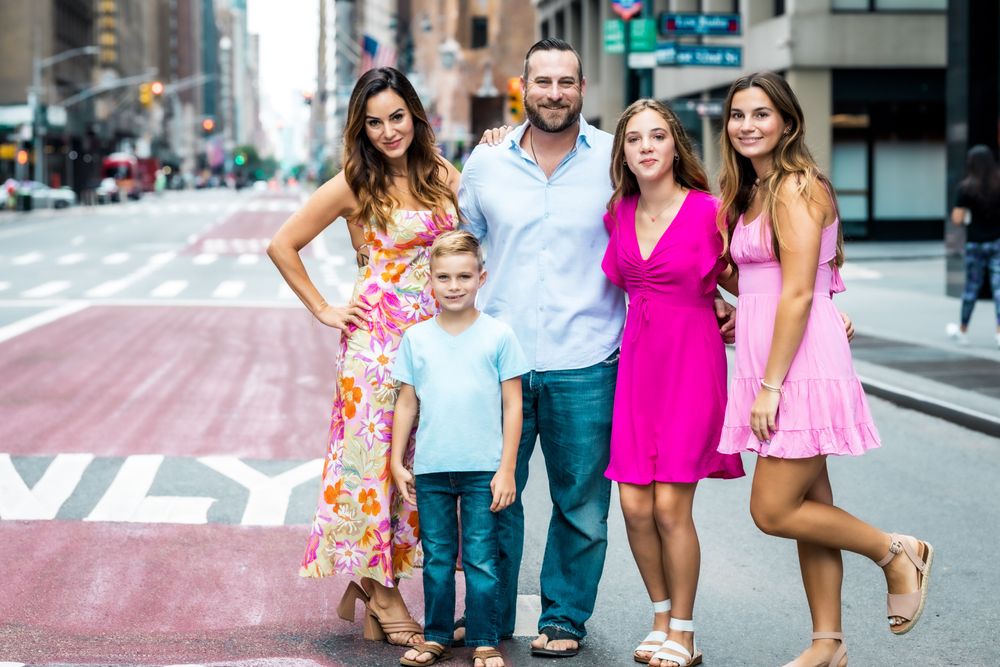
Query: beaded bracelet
column 769, row 387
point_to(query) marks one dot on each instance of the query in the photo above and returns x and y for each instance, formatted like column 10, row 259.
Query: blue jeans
column 437, row 504
column 570, row 413
column 980, row 258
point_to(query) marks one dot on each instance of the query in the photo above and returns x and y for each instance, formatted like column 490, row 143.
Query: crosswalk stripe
column 205, row 258
column 116, row 258
column 72, row 258
column 5, row 286
column 285, row 292
column 228, row 289
column 106, row 289
column 47, row 289
column 170, row 288
column 248, row 258
column 29, row 258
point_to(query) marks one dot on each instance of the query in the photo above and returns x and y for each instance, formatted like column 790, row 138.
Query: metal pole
column 628, row 71
column 36, row 129
column 646, row 75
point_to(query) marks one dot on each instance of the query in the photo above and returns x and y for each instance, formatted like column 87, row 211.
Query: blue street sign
column 699, row 24
column 672, row 53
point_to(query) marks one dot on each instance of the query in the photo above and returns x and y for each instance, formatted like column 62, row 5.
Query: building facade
column 870, row 75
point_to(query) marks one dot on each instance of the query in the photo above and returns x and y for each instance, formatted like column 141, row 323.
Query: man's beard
column 572, row 115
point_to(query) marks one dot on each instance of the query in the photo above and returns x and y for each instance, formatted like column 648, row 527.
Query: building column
column 814, row 88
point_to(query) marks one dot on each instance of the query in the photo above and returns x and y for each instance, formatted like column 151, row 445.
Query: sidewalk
column 900, row 350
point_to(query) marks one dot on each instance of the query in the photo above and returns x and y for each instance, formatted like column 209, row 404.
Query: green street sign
column 643, row 35
column 614, row 36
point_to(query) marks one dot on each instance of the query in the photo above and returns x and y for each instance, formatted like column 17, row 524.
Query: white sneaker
column 954, row 332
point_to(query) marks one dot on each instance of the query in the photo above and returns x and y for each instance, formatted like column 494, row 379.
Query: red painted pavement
column 242, row 232
column 179, row 381
column 83, row 593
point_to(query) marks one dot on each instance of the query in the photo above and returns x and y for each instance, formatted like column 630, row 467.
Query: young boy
column 464, row 367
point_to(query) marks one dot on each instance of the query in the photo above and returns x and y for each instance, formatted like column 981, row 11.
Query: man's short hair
column 554, row 44
column 457, row 242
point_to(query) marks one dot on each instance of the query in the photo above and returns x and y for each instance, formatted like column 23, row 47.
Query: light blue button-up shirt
column 544, row 241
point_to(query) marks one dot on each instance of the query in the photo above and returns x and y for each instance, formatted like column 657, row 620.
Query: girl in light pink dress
column 795, row 398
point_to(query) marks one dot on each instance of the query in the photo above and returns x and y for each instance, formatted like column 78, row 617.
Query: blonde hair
column 688, row 171
column 791, row 159
column 457, row 242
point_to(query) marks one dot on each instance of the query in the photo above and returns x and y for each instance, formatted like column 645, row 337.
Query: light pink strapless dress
column 823, row 409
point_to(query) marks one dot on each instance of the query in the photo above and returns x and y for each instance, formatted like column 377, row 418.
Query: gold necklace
column 670, row 204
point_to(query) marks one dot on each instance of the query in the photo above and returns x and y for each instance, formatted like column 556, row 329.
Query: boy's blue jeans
column 570, row 413
column 437, row 504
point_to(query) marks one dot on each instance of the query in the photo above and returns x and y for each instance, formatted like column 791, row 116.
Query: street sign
column 626, row 8
column 672, row 53
column 614, row 36
column 699, row 24
column 642, row 60
column 642, row 33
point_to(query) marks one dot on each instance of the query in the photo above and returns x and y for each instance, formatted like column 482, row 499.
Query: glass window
column 849, row 174
column 480, row 32
column 909, row 180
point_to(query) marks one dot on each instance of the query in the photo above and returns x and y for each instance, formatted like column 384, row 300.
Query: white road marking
column 77, row 240
column 285, row 292
column 47, row 289
column 170, row 289
column 4, row 286
column 248, row 258
column 855, row 272
column 41, row 502
column 40, row 319
column 127, row 500
column 229, row 289
column 72, row 258
column 116, row 258
column 115, row 286
column 346, row 291
column 268, row 501
column 205, row 258
column 29, row 258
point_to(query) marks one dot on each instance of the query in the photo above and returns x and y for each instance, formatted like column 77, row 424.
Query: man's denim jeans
column 437, row 503
column 570, row 413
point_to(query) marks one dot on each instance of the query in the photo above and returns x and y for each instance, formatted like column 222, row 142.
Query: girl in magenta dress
column 665, row 251
column 795, row 397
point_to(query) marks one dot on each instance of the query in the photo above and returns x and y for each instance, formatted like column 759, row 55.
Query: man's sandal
column 484, row 653
column 654, row 640
column 675, row 652
column 438, row 653
column 554, row 634
column 909, row 606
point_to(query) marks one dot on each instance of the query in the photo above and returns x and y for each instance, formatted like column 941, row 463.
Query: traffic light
column 207, row 125
column 145, row 94
column 515, row 102
column 240, row 159
column 156, row 87
column 22, row 157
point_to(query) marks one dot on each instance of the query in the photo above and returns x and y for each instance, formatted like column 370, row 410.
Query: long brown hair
column 688, row 170
column 367, row 169
column 791, row 159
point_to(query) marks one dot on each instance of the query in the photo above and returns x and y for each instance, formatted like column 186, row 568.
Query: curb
column 956, row 414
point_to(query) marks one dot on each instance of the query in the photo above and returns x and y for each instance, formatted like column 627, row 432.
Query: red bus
column 124, row 168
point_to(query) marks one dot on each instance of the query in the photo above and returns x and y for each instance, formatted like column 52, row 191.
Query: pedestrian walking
column 544, row 248
column 463, row 368
column 795, row 398
column 665, row 251
column 977, row 206
column 397, row 195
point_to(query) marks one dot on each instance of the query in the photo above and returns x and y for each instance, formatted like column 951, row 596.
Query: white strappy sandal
column 654, row 640
column 674, row 652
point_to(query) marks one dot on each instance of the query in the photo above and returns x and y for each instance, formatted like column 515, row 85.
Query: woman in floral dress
column 398, row 195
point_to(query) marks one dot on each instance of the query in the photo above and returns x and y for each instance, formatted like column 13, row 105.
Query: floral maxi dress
column 362, row 526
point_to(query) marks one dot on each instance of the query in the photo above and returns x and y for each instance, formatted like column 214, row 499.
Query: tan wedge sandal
column 375, row 628
column 909, row 606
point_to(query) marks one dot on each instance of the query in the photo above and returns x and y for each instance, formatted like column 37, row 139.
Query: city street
column 163, row 412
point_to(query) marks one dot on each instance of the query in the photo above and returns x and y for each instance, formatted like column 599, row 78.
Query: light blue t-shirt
column 457, row 379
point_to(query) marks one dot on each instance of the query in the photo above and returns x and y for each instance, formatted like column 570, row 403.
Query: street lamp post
column 34, row 102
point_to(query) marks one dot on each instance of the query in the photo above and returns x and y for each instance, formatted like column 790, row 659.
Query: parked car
column 42, row 196
column 107, row 191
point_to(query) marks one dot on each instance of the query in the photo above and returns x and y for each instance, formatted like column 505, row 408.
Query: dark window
column 779, row 7
column 480, row 32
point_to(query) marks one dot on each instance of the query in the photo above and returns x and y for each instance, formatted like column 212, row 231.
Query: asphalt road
column 163, row 404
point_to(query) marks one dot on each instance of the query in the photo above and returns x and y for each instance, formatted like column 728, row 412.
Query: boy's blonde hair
column 457, row 242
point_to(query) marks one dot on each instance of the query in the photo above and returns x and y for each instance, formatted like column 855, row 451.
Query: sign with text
column 674, row 54
column 642, row 60
column 626, row 8
column 642, row 34
column 699, row 24
column 614, row 37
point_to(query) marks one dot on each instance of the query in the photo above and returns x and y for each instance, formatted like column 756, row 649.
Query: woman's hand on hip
column 342, row 317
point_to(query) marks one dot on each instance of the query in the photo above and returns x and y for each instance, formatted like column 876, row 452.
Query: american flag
column 376, row 54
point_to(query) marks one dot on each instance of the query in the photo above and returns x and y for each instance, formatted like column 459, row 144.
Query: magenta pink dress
column 671, row 392
column 823, row 408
